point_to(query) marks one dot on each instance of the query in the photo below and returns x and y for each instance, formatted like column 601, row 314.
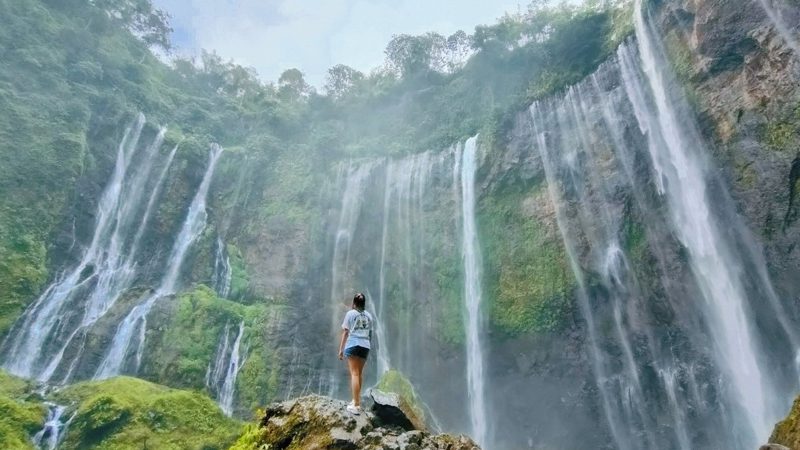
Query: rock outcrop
column 786, row 434
column 316, row 422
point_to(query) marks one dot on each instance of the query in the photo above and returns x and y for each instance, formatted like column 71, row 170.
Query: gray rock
column 773, row 447
column 391, row 410
column 317, row 422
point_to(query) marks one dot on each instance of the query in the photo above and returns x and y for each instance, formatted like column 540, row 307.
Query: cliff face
column 742, row 76
column 597, row 322
column 786, row 432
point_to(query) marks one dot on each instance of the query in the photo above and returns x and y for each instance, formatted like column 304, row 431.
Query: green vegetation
column 787, row 431
column 528, row 282
column 128, row 413
column 181, row 354
column 394, row 381
column 21, row 414
column 783, row 132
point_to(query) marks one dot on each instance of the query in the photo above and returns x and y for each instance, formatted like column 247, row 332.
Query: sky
column 314, row 35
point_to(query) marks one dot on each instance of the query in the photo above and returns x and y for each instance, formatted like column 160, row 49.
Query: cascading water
column 234, row 366
column 695, row 379
column 216, row 370
column 677, row 155
column 51, row 434
column 115, row 359
column 221, row 278
column 68, row 308
column 221, row 375
column 472, row 295
column 392, row 219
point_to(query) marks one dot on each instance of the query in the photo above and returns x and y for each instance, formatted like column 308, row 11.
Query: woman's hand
column 341, row 355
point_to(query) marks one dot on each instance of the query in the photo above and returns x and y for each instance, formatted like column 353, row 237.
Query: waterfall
column 51, row 434
column 677, row 155
column 612, row 389
column 387, row 225
column 60, row 318
column 235, row 364
column 783, row 29
column 472, row 295
column 216, row 371
column 115, row 358
column 221, row 278
column 677, row 364
column 221, row 375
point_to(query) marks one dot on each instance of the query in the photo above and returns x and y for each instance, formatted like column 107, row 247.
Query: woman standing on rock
column 356, row 337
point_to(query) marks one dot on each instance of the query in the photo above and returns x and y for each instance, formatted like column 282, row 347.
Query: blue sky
column 313, row 35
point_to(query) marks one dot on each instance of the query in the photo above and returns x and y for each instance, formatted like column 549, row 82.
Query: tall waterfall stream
column 703, row 355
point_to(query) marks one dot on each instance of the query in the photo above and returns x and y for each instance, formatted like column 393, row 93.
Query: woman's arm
column 345, row 333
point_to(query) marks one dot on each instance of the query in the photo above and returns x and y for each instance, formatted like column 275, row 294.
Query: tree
column 292, row 85
column 458, row 50
column 410, row 55
column 341, row 79
column 148, row 23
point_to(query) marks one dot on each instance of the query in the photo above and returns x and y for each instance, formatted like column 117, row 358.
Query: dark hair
column 359, row 301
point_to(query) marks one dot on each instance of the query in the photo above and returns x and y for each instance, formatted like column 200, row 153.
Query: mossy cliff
column 115, row 414
column 787, row 431
column 276, row 201
column 22, row 413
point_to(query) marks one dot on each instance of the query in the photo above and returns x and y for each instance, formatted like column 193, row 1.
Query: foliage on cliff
column 527, row 275
column 787, row 431
column 21, row 414
column 127, row 413
column 182, row 354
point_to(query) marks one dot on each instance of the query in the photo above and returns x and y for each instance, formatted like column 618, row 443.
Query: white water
column 235, row 364
column 216, row 371
column 472, row 295
column 221, row 279
column 50, row 435
column 195, row 223
column 114, row 279
column 110, row 257
column 616, row 426
column 677, row 156
column 781, row 26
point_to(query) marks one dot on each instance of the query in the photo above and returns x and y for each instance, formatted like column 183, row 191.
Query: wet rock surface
column 786, row 435
column 316, row 422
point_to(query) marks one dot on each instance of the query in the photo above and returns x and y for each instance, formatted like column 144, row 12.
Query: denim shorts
column 357, row 350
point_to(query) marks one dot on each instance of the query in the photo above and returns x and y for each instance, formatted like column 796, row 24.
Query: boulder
column 786, row 435
column 391, row 409
column 317, row 422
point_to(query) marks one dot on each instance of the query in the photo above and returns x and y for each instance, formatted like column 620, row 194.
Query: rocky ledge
column 316, row 422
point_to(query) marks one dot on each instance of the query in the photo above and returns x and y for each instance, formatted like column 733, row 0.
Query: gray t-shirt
column 359, row 324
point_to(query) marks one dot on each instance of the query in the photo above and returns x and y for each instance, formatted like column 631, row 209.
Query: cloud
column 313, row 35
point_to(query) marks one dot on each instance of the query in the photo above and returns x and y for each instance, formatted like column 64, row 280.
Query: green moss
column 680, row 56
column 780, row 136
column 394, row 381
column 128, row 413
column 240, row 280
column 21, row 415
column 252, row 439
column 179, row 355
column 787, row 431
column 746, row 176
column 528, row 281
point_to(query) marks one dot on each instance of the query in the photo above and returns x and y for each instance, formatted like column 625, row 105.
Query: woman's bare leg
column 356, row 366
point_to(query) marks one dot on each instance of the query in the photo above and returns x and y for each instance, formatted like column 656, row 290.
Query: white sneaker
column 353, row 409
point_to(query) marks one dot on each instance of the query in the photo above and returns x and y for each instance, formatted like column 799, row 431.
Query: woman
column 356, row 337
